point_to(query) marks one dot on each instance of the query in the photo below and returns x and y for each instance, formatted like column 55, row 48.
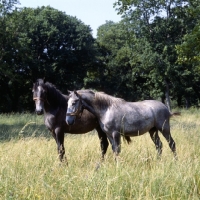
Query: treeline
column 152, row 53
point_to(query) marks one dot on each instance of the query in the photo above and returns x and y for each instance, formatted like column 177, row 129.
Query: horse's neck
column 48, row 108
column 91, row 107
column 53, row 104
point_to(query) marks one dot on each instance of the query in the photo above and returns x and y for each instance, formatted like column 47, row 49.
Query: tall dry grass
column 29, row 166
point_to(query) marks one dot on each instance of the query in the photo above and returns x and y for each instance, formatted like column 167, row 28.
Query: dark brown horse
column 50, row 101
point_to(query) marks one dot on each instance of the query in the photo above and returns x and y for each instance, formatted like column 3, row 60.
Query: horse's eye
column 74, row 103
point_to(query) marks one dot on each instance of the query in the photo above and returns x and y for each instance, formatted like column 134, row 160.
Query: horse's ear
column 44, row 79
column 33, row 88
column 69, row 91
column 76, row 93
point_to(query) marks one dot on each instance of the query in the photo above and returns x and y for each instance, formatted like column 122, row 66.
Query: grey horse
column 118, row 117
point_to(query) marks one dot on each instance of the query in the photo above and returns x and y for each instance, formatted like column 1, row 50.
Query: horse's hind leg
column 171, row 142
column 166, row 133
column 103, row 141
column 156, row 139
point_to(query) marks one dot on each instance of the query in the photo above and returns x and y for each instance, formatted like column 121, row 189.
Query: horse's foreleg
column 156, row 139
column 54, row 135
column 103, row 142
column 60, row 143
column 116, row 143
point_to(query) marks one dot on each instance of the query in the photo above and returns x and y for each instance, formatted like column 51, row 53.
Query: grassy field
column 29, row 166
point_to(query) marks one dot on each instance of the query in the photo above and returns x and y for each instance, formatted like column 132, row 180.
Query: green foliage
column 188, row 50
column 54, row 43
column 152, row 53
column 188, row 53
column 120, row 72
column 43, row 42
column 115, row 54
column 162, row 25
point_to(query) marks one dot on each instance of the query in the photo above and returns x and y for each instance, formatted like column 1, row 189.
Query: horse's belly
column 130, row 123
column 138, row 127
column 137, row 132
column 80, row 128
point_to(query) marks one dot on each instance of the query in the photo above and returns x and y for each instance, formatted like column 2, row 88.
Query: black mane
column 55, row 96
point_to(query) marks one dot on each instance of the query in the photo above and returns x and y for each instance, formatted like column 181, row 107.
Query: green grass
column 29, row 166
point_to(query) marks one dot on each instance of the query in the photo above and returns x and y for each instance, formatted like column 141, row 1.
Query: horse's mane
column 103, row 100
column 52, row 88
column 55, row 94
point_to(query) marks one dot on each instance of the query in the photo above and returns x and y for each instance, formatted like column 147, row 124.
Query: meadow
column 30, row 169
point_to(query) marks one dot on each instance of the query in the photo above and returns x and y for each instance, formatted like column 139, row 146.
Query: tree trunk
column 187, row 102
column 167, row 98
column 163, row 98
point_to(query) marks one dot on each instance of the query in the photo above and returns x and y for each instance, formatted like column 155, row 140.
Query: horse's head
column 75, row 107
column 39, row 95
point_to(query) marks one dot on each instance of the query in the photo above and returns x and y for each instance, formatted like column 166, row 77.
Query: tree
column 112, row 60
column 188, row 50
column 46, row 43
column 162, row 24
column 119, row 61
column 189, row 57
column 6, row 8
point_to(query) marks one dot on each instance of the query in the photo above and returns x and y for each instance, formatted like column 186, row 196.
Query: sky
column 91, row 12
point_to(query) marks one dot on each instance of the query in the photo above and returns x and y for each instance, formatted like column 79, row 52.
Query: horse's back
column 157, row 107
column 152, row 108
column 160, row 112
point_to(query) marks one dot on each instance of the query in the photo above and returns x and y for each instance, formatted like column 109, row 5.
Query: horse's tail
column 127, row 138
column 175, row 114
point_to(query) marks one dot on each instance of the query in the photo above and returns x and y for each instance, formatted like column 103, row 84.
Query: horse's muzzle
column 70, row 120
column 39, row 112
